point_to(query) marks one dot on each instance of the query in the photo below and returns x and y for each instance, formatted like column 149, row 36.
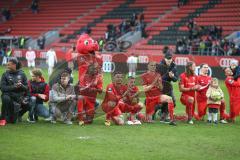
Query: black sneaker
column 215, row 122
column 173, row 123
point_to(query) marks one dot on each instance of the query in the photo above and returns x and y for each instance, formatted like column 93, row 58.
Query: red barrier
column 213, row 61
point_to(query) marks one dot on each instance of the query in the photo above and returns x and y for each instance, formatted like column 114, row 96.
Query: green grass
column 148, row 141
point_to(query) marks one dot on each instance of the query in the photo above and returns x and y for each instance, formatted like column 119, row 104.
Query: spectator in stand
column 110, row 33
column 41, row 42
column 123, row 27
column 133, row 20
column 182, row 2
column 35, row 7
column 31, row 56
column 87, row 30
column 6, row 14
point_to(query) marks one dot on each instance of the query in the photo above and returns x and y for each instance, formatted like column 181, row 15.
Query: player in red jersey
column 188, row 85
column 132, row 104
column 89, row 86
column 203, row 80
column 234, row 93
column 152, row 86
column 114, row 100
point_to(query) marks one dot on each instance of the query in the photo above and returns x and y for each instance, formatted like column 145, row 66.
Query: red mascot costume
column 88, row 60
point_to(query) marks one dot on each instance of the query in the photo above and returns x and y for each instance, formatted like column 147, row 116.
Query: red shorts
column 214, row 106
column 184, row 99
column 111, row 111
column 151, row 103
column 133, row 109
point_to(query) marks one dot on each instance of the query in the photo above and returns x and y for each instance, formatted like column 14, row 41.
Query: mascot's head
column 86, row 45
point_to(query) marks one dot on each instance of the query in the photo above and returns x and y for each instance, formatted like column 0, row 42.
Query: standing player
column 90, row 85
column 152, row 86
column 113, row 100
column 30, row 56
column 234, row 93
column 132, row 104
column 132, row 65
column 188, row 85
column 51, row 60
column 203, row 80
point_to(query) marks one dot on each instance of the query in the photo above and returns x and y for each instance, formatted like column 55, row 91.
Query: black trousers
column 12, row 109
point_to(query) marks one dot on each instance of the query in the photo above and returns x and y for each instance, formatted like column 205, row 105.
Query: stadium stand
column 52, row 15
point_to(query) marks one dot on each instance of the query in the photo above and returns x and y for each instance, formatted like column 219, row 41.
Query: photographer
column 15, row 97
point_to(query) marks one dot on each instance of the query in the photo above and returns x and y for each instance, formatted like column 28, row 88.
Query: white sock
column 134, row 74
column 214, row 117
column 209, row 116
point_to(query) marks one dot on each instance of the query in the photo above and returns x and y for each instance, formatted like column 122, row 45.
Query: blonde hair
column 214, row 80
column 37, row 72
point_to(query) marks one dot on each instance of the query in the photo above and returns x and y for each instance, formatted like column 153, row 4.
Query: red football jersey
column 188, row 82
column 129, row 99
column 91, row 82
column 204, row 81
column 147, row 79
column 114, row 93
column 233, row 87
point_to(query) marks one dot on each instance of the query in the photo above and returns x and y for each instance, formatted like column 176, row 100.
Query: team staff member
column 167, row 69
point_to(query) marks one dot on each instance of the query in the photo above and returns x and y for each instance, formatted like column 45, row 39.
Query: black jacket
column 163, row 70
column 10, row 79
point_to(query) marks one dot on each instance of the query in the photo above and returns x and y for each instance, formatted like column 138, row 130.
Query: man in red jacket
column 39, row 91
column 234, row 93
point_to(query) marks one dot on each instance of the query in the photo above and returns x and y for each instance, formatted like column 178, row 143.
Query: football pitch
column 156, row 141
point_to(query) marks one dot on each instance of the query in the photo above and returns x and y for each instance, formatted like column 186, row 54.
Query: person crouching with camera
column 15, row 95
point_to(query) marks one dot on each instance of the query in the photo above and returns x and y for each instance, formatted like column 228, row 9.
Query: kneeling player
column 90, row 85
column 188, row 85
column 132, row 104
column 152, row 85
column 113, row 100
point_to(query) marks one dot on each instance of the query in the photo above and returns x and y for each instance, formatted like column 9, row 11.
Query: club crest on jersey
column 109, row 89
